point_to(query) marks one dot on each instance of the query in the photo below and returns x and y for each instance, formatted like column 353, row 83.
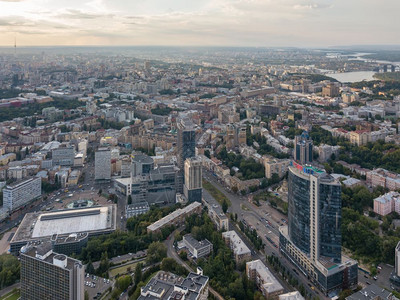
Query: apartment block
column 387, row 203
column 20, row 193
column 277, row 166
column 262, row 276
column 176, row 218
column 240, row 251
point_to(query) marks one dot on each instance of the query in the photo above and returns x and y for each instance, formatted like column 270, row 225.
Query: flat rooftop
column 172, row 216
column 239, row 247
column 91, row 220
column 270, row 283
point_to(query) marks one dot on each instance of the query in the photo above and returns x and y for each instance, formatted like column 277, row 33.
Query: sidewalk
column 9, row 289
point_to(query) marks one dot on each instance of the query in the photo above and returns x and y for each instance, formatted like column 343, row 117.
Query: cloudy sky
column 300, row 23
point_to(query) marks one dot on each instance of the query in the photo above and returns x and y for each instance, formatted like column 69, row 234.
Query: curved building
column 312, row 240
column 315, row 212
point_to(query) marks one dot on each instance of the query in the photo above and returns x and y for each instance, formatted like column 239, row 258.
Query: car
column 375, row 277
column 366, row 276
column 367, row 282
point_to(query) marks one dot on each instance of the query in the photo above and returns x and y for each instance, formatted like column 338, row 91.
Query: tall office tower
column 102, row 164
column 192, row 188
column 312, row 240
column 303, row 148
column 186, row 143
column 47, row 275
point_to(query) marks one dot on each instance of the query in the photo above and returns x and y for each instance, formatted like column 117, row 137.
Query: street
column 257, row 218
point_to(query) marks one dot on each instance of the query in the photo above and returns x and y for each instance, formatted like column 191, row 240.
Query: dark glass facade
column 299, row 212
column 329, row 215
column 186, row 145
column 330, row 207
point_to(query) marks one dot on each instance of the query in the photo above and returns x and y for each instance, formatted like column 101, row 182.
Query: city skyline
column 263, row 23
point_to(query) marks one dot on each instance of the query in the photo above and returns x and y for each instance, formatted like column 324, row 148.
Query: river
column 353, row 76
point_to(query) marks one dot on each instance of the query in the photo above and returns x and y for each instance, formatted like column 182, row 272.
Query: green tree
column 86, row 295
column 138, row 273
column 168, row 264
column 224, row 206
column 90, row 268
column 123, row 282
column 156, row 252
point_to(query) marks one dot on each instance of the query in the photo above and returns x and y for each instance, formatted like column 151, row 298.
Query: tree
column 123, row 282
column 100, row 192
column 90, row 268
column 224, row 206
column 86, row 295
column 129, row 199
column 138, row 273
column 168, row 264
column 156, row 252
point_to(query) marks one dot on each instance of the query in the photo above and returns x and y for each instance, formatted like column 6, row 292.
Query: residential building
column 360, row 137
column 193, row 187
column 240, row 251
column 102, row 164
column 21, row 192
column 175, row 218
column 215, row 211
column 312, row 240
column 291, row 296
column 303, row 149
column 330, row 90
column 197, row 249
column 387, row 203
column 277, row 166
column 48, row 275
column 258, row 272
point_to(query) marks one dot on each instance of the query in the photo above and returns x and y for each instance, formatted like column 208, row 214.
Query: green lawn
column 216, row 193
column 13, row 295
column 123, row 270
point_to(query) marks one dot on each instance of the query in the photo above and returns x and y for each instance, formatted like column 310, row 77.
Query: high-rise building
column 193, row 187
column 102, row 164
column 186, row 144
column 312, row 240
column 47, row 275
column 21, row 192
column 303, row 148
column 397, row 260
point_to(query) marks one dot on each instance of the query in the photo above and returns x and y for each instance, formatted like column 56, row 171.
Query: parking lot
column 96, row 286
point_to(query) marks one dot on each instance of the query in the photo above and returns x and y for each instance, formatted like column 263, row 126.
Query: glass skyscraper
column 312, row 240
